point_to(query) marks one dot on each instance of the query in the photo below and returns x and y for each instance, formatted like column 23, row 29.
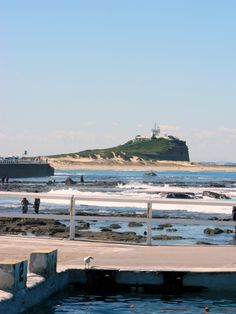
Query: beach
column 69, row 163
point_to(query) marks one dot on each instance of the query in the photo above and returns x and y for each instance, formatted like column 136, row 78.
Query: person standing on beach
column 24, row 204
column 36, row 204
column 234, row 216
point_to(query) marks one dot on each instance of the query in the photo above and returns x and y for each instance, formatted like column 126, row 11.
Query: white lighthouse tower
column 155, row 131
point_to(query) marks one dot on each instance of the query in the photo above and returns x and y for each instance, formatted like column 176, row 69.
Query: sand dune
column 119, row 164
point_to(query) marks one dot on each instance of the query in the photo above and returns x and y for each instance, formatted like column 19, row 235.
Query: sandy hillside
column 119, row 164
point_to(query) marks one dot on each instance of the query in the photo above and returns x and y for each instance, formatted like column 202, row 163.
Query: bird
column 87, row 261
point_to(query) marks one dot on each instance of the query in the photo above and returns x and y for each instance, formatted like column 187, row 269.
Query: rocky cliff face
column 177, row 151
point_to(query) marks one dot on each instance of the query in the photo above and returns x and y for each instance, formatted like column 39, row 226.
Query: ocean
column 136, row 184
column 139, row 184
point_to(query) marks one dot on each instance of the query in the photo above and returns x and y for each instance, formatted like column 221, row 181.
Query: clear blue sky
column 87, row 74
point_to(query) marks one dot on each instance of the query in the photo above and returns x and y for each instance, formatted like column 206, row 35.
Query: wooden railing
column 148, row 204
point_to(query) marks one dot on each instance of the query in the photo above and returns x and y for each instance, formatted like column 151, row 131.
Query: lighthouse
column 155, row 132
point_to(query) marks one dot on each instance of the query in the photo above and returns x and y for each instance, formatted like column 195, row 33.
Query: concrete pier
column 123, row 256
column 117, row 266
column 13, row 274
column 43, row 262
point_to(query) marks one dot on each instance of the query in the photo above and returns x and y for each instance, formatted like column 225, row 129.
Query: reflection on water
column 80, row 302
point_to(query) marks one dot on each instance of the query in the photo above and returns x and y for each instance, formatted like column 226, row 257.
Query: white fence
column 149, row 219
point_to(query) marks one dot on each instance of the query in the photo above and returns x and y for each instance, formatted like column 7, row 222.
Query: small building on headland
column 141, row 138
column 155, row 135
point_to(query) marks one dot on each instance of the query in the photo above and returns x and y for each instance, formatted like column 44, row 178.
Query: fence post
column 149, row 223
column 72, row 218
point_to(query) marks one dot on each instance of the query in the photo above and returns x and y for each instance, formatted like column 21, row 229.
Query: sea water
column 136, row 184
column 137, row 303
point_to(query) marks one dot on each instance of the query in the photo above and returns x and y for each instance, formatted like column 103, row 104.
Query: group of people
column 4, row 179
column 25, row 204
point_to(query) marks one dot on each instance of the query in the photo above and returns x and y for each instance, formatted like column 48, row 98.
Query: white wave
column 195, row 208
column 166, row 188
column 136, row 185
column 102, row 203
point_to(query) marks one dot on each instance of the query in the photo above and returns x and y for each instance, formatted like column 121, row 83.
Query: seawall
column 25, row 170
column 111, row 280
column 117, row 267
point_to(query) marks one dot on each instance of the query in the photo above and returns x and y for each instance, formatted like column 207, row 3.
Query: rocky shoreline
column 56, row 229
column 51, row 228
column 42, row 187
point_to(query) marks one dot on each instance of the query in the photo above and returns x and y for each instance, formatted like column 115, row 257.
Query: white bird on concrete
column 87, row 261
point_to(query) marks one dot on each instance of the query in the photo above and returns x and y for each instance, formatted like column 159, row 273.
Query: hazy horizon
column 92, row 74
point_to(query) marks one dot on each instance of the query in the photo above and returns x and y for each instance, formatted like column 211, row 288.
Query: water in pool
column 81, row 303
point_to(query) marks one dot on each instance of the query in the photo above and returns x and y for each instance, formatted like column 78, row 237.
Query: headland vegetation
column 158, row 152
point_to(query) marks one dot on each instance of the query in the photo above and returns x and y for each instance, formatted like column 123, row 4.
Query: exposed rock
column 25, row 187
column 69, row 181
column 166, row 225
column 56, row 229
column 105, row 229
column 135, row 224
column 167, row 237
column 38, row 222
column 158, row 228
column 216, row 185
column 33, row 226
column 112, row 236
column 150, row 174
column 171, row 230
column 82, row 225
column 115, row 226
column 203, row 243
column 215, row 195
column 210, row 231
column 50, row 182
column 179, row 195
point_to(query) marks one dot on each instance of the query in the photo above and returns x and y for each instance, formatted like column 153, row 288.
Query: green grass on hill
column 152, row 149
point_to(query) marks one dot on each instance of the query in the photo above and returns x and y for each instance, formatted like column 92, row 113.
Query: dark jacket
column 234, row 213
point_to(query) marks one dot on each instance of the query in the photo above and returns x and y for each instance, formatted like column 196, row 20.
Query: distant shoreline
column 88, row 164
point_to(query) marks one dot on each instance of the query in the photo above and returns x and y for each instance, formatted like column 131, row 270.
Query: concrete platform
column 161, row 269
column 124, row 256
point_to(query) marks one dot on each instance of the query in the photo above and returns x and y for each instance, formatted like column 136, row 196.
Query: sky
column 78, row 75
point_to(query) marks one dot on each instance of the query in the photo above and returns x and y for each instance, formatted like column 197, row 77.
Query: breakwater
column 25, row 169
